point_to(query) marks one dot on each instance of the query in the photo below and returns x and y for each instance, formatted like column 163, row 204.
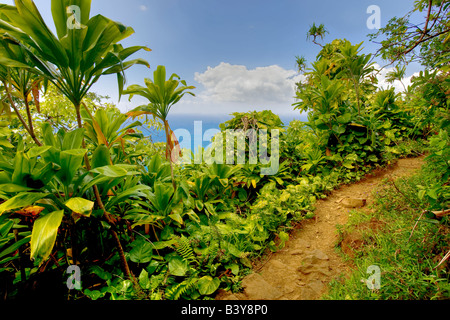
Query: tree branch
column 22, row 120
column 425, row 30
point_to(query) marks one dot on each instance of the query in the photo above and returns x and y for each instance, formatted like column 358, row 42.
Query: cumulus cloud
column 382, row 82
column 238, row 84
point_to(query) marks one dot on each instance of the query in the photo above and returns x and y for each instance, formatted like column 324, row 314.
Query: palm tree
column 25, row 83
column 301, row 63
column 316, row 32
column 398, row 73
column 162, row 95
column 355, row 66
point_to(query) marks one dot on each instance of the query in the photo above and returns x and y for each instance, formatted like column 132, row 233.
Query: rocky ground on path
column 309, row 261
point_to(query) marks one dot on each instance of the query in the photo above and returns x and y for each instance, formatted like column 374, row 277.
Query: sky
column 239, row 54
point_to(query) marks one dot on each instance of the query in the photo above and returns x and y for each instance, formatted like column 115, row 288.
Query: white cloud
column 235, row 88
column 237, row 84
column 143, row 8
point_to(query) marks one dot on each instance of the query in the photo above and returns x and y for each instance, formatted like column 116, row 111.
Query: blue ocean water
column 187, row 122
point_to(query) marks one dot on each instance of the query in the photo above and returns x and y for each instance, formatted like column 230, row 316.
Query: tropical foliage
column 92, row 191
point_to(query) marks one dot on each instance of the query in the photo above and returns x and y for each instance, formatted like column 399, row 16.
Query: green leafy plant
column 81, row 55
column 162, row 95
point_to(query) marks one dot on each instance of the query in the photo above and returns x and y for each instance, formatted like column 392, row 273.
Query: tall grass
column 407, row 264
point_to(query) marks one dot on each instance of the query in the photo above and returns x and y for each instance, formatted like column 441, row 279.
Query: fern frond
column 184, row 249
column 213, row 251
column 176, row 291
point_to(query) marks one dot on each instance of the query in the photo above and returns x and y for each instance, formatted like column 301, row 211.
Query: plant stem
column 169, row 154
column 78, row 113
column 356, row 85
column 22, row 120
column 106, row 215
column 30, row 122
column 73, row 243
column 23, row 276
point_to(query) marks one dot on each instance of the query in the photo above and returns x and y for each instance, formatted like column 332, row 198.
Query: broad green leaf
column 136, row 191
column 13, row 188
column 285, row 196
column 5, row 143
column 47, row 132
column 233, row 250
column 80, row 206
column 346, row 118
column 141, row 252
column 21, row 200
column 210, row 208
column 339, row 129
column 73, row 140
column 37, row 151
column 242, row 194
column 43, row 237
column 32, row 24
column 177, row 218
column 12, row 63
column 94, row 294
column 193, row 216
column 22, row 168
column 70, row 161
column 164, row 244
column 115, row 171
column 234, row 268
column 224, row 182
column 46, row 173
column 144, row 281
column 283, row 236
column 100, row 272
column 279, row 181
column 348, row 164
column 178, row 266
column 167, row 233
column 14, row 247
column 208, row 285
column 142, row 219
column 421, row 194
column 5, row 228
column 101, row 157
column 432, row 193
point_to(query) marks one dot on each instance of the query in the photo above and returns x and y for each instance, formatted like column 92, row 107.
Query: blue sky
column 239, row 54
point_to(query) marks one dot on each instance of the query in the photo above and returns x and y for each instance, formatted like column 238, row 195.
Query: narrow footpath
column 303, row 269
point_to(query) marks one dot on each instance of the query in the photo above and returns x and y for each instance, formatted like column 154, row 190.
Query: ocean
column 185, row 125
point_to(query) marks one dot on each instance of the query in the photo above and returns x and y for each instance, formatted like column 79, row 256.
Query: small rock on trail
column 353, row 203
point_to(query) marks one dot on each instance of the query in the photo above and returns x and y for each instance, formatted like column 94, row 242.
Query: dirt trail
column 302, row 270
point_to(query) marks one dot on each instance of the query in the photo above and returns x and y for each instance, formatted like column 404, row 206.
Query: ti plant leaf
column 21, row 200
column 44, row 234
column 80, row 207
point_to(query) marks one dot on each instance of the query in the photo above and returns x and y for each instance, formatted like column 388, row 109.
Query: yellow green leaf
column 43, row 237
column 80, row 206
